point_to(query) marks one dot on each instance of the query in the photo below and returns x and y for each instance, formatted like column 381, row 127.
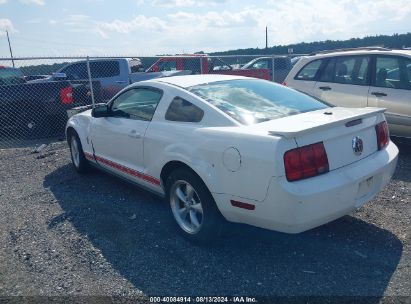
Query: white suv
column 364, row 77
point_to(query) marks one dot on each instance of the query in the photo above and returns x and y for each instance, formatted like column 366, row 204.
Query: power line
column 11, row 53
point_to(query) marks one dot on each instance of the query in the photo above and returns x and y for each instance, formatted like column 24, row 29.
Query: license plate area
column 364, row 188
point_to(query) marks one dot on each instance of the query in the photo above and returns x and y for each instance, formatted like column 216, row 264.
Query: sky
column 150, row 27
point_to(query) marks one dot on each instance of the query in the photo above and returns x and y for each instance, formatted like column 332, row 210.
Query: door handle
column 378, row 94
column 121, row 81
column 134, row 134
column 325, row 88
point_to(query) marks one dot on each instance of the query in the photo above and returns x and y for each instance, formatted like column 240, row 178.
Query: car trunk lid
column 348, row 135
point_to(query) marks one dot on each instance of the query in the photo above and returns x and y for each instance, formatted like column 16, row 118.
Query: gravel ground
column 94, row 235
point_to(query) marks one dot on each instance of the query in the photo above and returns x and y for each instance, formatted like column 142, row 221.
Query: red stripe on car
column 129, row 171
column 89, row 156
column 242, row 205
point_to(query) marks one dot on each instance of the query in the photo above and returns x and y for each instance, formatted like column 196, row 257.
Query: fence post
column 273, row 71
column 90, row 82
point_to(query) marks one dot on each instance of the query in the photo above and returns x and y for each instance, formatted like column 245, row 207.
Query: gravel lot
column 64, row 234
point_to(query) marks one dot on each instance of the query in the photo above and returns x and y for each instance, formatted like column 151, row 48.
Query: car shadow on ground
column 404, row 161
column 136, row 235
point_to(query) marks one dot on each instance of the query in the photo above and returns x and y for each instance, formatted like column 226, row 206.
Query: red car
column 204, row 64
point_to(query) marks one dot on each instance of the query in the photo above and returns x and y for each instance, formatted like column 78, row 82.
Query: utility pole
column 11, row 53
column 266, row 37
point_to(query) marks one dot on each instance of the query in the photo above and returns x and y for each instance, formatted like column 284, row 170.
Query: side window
column 103, row 69
column 184, row 111
column 327, row 74
column 309, row 71
column 260, row 64
column 193, row 65
column 351, row 70
column 408, row 69
column 76, row 71
column 137, row 104
column 392, row 72
column 168, row 65
column 216, row 64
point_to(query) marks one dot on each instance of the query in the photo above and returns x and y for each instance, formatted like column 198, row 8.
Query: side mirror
column 59, row 76
column 100, row 111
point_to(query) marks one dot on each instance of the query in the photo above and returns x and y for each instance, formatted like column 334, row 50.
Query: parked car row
column 203, row 64
column 31, row 105
column 354, row 78
column 273, row 68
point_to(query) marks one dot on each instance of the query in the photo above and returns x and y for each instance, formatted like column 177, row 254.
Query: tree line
column 396, row 41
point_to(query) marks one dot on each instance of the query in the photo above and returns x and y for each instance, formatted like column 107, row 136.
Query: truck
column 113, row 74
column 37, row 109
column 204, row 64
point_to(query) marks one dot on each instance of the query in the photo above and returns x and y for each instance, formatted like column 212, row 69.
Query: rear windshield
column 251, row 101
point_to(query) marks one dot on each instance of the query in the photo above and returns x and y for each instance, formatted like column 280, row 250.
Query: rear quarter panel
column 202, row 148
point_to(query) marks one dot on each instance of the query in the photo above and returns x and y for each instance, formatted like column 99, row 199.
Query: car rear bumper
column 302, row 205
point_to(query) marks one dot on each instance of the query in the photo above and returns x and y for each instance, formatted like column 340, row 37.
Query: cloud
column 224, row 19
column 6, row 24
column 34, row 20
column 36, row 2
column 79, row 23
column 326, row 19
column 3, row 1
column 210, row 29
column 75, row 23
column 172, row 3
column 185, row 3
column 138, row 23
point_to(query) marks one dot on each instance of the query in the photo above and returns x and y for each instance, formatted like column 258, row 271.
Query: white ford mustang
column 238, row 148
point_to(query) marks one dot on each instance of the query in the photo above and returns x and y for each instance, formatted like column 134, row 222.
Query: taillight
column 383, row 135
column 284, row 83
column 305, row 162
column 66, row 95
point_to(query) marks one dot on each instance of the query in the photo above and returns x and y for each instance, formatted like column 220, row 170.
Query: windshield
column 251, row 101
column 11, row 76
column 248, row 64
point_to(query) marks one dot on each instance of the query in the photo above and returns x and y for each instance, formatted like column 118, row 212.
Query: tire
column 197, row 219
column 78, row 159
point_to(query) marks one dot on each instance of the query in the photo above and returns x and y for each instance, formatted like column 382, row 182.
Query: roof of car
column 193, row 80
column 361, row 51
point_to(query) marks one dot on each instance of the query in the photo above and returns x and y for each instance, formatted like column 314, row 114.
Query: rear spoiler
column 284, row 130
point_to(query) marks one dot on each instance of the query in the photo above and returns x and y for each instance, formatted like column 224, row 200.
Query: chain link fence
column 36, row 93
